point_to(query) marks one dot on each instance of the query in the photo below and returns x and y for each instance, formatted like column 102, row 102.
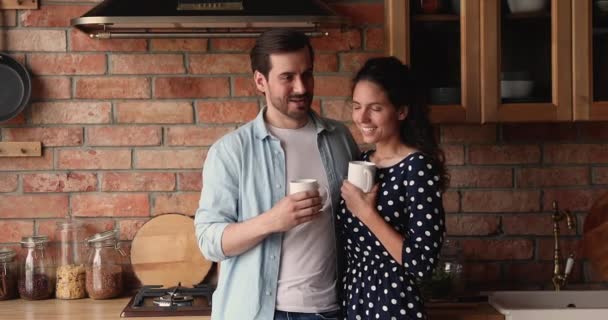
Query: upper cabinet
column 508, row 60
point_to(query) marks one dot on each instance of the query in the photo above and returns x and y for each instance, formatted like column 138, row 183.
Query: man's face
column 290, row 85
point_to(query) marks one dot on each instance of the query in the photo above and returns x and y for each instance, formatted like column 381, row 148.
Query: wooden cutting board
column 165, row 252
column 595, row 236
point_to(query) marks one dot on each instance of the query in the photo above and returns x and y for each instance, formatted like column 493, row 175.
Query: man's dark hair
column 277, row 41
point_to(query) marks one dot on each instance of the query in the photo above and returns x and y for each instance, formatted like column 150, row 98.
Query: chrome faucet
column 559, row 279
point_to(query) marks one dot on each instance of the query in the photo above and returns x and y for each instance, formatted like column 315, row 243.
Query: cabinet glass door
column 440, row 41
column 526, row 60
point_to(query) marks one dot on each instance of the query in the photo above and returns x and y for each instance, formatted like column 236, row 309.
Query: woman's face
column 374, row 115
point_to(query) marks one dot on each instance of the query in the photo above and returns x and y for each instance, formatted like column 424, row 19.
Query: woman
column 391, row 235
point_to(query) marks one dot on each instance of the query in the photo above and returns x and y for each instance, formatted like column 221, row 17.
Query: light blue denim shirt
column 244, row 176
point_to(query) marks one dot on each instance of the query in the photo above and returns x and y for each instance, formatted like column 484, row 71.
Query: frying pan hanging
column 15, row 87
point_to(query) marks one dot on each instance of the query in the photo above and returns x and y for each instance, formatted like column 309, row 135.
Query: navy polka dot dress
column 375, row 285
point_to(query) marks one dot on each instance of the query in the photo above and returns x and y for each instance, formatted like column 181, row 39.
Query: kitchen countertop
column 54, row 309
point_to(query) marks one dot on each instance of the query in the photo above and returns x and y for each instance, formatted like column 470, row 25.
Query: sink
column 554, row 305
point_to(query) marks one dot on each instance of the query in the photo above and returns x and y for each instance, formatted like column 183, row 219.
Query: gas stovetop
column 156, row 301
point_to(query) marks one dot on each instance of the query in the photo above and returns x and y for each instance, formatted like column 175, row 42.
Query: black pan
column 15, row 87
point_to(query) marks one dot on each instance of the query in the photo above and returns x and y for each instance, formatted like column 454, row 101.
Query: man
column 278, row 252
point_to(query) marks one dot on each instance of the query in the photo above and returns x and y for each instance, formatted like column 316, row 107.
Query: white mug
column 362, row 174
column 299, row 185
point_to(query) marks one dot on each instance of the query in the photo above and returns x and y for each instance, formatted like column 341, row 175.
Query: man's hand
column 295, row 209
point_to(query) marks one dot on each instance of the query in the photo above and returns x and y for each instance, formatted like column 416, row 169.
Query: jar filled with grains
column 8, row 274
column 37, row 275
column 104, row 266
column 70, row 260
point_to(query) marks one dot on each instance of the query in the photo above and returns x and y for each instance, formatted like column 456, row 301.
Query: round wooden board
column 595, row 237
column 165, row 252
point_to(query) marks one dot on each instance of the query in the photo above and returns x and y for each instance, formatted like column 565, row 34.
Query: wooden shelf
column 529, row 15
column 18, row 4
column 436, row 18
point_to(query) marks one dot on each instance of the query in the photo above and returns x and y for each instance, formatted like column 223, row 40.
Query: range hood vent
column 204, row 18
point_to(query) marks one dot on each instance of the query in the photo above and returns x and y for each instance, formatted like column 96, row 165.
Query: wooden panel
column 470, row 56
column 582, row 62
column 20, row 149
column 561, row 42
column 397, row 22
column 18, row 4
column 490, row 60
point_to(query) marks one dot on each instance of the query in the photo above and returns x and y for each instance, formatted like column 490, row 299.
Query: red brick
column 179, row 45
column 468, row 133
column 190, row 181
column 129, row 227
column 112, row 88
column 94, row 159
column 471, row 225
column 8, row 18
column 575, row 153
column 28, row 163
column 374, row 39
column 332, row 86
column 50, row 137
column 529, row 272
column 244, row 87
column 18, row 119
column 71, row 112
column 572, row 199
column 454, row 154
column 110, row 205
column 353, row 61
column 362, row 13
column 138, row 181
column 451, row 201
column 147, row 64
column 531, row 224
column 67, row 64
column 184, row 203
column 91, row 227
column 338, row 110
column 52, row 15
column 33, row 40
column 480, row 177
column 195, row 136
column 543, row 132
column 8, row 182
column 124, row 136
column 567, row 246
column 218, row 63
column 500, row 201
column 51, row 88
column 80, row 41
column 60, row 182
column 600, row 175
column 170, row 159
column 154, row 112
column 186, row 87
column 482, row 272
column 326, row 62
column 33, row 206
column 553, row 177
column 509, row 154
column 231, row 44
column 233, row 111
column 338, row 41
column 511, row 249
column 597, row 131
column 13, row 230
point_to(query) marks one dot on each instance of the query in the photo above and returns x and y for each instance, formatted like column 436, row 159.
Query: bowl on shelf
column 516, row 89
column 526, row 6
column 445, row 95
column 602, row 5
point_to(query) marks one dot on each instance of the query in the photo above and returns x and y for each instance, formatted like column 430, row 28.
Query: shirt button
column 267, row 292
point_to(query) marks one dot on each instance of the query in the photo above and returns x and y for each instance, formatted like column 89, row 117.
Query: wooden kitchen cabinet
column 590, row 68
column 495, row 43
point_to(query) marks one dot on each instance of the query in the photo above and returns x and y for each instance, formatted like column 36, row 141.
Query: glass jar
column 104, row 266
column 8, row 274
column 37, row 275
column 447, row 281
column 71, row 275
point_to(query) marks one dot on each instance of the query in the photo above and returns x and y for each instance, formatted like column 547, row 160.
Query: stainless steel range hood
column 204, row 18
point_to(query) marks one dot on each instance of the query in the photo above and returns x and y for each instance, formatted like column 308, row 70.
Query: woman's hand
column 361, row 204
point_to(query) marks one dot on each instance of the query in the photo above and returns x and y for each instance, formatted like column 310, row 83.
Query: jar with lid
column 104, row 266
column 37, row 275
column 70, row 260
column 8, row 274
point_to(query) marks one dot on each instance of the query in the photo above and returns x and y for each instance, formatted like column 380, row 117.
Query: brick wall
column 126, row 124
